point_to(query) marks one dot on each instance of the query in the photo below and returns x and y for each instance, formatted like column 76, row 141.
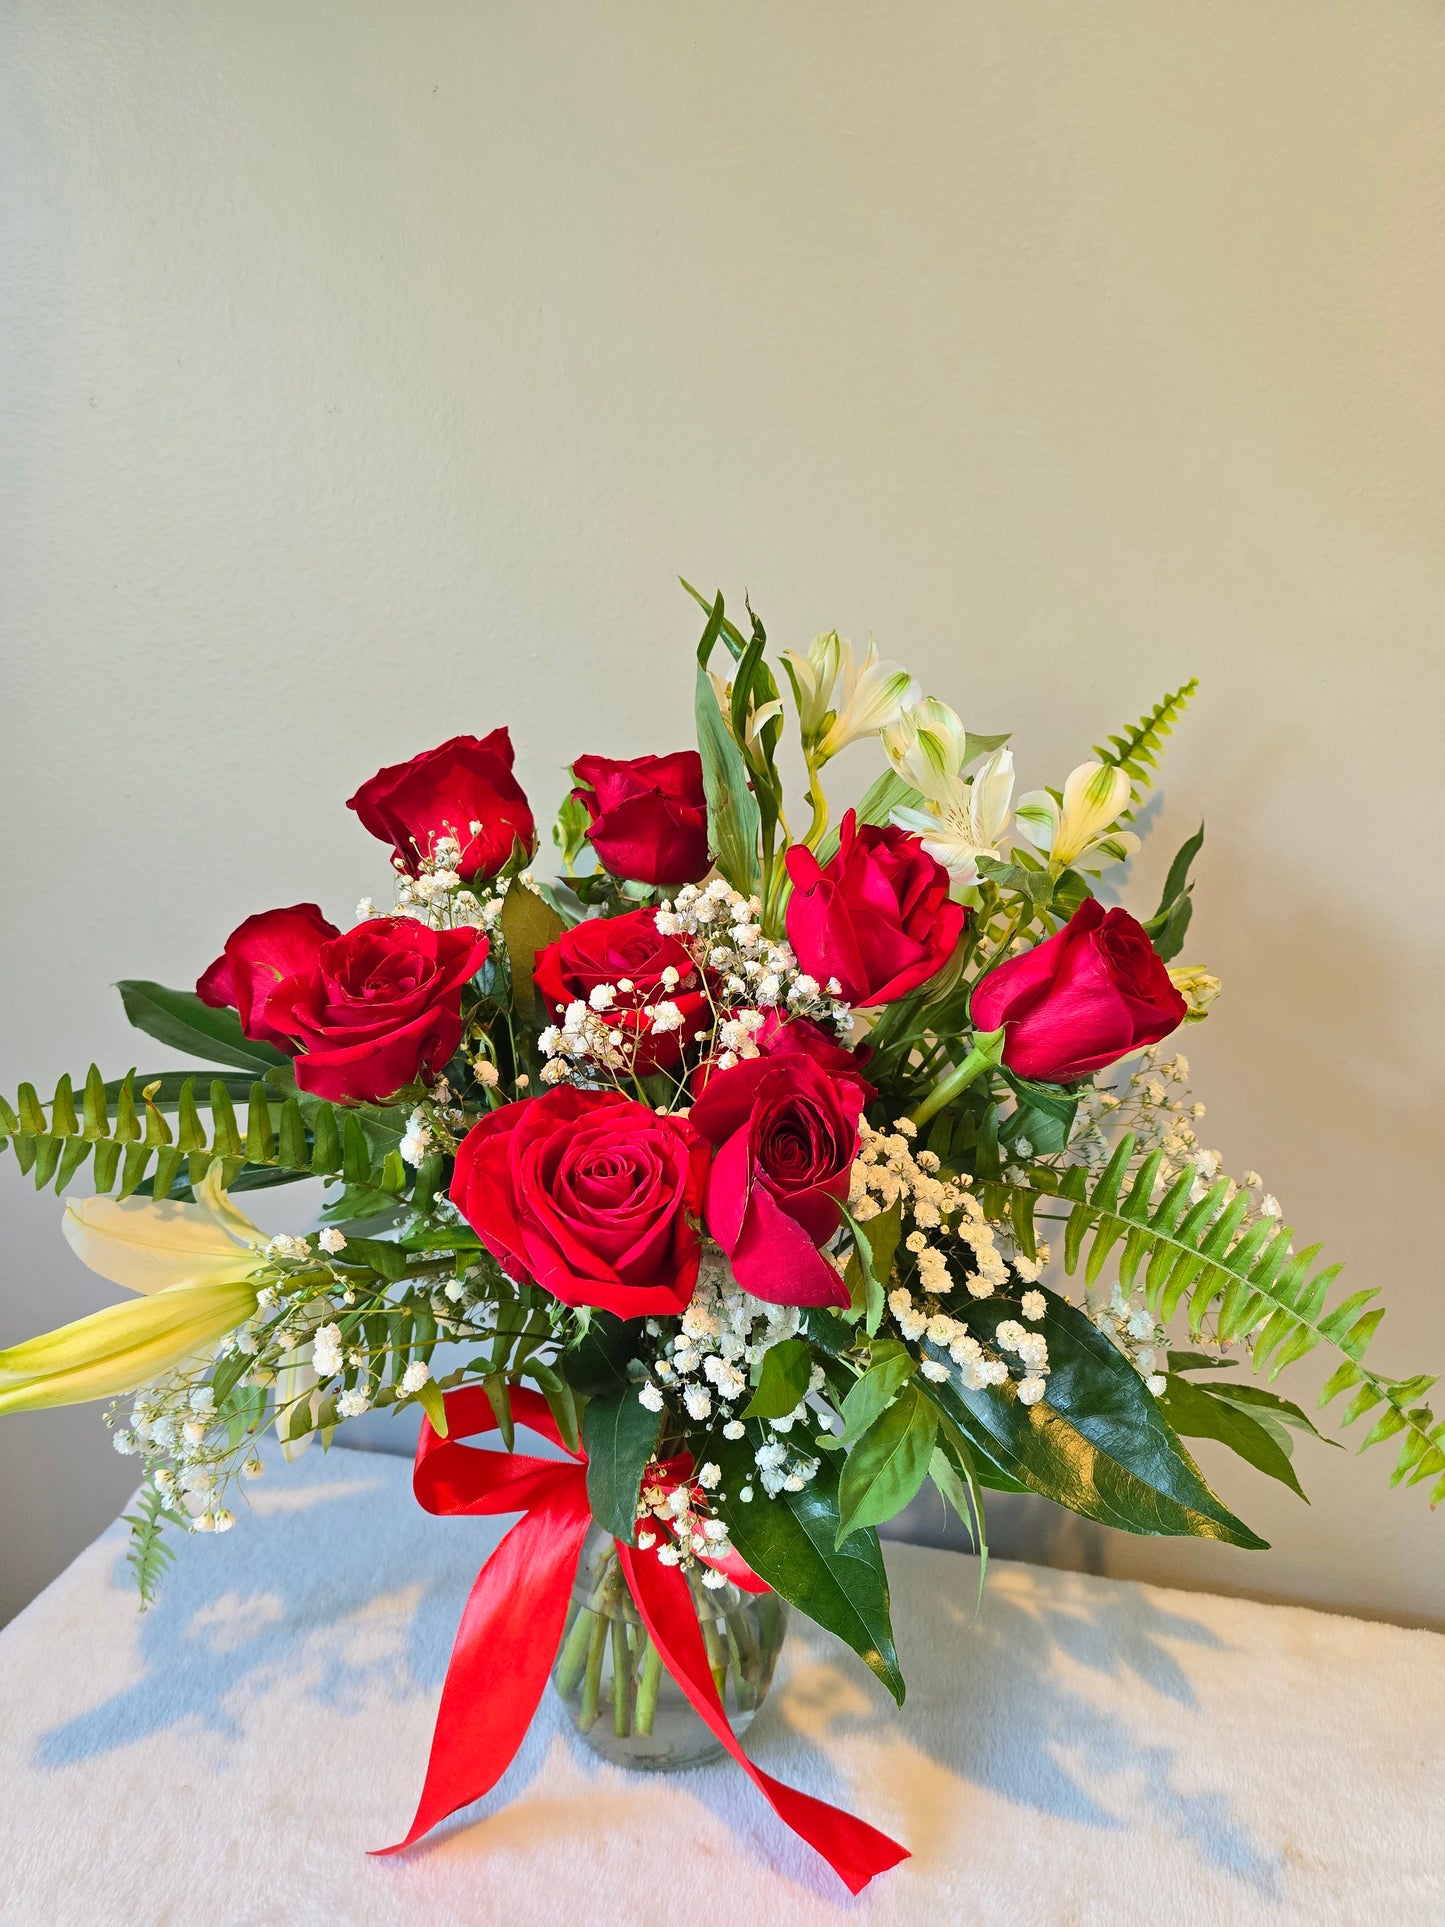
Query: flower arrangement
column 723, row 1161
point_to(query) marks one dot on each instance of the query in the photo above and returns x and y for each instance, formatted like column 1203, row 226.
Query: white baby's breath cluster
column 744, row 970
column 438, row 1123
column 301, row 1346
column 706, row 1367
column 675, row 1518
column 744, row 976
column 437, row 896
column 889, row 1170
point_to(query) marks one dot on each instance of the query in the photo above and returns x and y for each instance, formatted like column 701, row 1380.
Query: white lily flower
column 968, row 823
column 841, row 700
column 149, row 1245
column 1095, row 796
column 122, row 1347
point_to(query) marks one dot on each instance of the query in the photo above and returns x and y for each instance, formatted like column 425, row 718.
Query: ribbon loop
column 512, row 1626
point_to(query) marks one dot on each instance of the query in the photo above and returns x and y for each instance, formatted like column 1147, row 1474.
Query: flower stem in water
column 648, row 1682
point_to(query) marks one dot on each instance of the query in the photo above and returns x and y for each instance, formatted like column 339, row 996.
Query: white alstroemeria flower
column 1095, row 796
column 841, row 700
column 968, row 823
column 756, row 717
column 813, row 678
column 928, row 747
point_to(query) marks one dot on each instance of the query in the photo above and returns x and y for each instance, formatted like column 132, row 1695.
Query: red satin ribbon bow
column 513, row 1622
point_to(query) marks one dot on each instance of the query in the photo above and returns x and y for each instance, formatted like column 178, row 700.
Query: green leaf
column 529, row 924
column 560, row 1400
column 889, row 1463
column 734, row 821
column 180, row 1019
column 1097, row 1444
column 786, row 1373
column 1264, row 1403
column 377, row 1254
column 871, row 1393
column 429, row 1397
column 1194, row 1414
column 1198, row 1362
column 597, row 1365
column 1045, row 1114
column 790, row 1542
column 619, row 1435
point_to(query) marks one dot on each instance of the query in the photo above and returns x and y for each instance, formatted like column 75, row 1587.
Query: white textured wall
column 369, row 373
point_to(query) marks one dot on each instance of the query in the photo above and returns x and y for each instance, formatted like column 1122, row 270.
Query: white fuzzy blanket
column 1087, row 1752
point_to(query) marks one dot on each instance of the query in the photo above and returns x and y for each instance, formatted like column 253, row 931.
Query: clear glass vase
column 621, row 1698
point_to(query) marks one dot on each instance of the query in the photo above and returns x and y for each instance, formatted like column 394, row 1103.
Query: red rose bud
column 627, row 949
column 877, row 916
column 1081, row 1000
column 649, row 815
column 463, row 789
column 365, row 1013
column 786, row 1130
column 259, row 953
column 592, row 1196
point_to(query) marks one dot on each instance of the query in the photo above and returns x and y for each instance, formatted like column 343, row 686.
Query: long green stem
column 574, row 1654
column 649, row 1679
column 592, row 1684
column 716, row 1653
column 985, row 1055
column 621, row 1680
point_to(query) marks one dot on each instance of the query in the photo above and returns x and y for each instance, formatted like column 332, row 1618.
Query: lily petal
column 148, row 1246
column 121, row 1348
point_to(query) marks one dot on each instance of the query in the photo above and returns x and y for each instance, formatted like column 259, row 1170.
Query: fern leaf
column 149, row 1555
column 1138, row 750
column 1246, row 1276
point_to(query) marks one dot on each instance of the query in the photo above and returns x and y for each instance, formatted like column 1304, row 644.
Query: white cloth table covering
column 1086, row 1751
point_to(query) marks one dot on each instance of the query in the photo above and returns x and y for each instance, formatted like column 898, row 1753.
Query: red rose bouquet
column 722, row 1160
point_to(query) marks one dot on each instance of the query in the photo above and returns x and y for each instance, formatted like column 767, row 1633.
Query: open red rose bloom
column 727, row 1160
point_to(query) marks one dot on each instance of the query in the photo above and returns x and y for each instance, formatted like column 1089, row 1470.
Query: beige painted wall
column 369, row 374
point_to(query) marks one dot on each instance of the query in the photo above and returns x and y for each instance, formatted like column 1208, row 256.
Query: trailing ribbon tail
column 513, row 1622
column 854, row 1850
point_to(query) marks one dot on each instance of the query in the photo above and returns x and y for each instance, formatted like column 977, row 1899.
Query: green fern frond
column 138, row 1145
column 149, row 1555
column 1259, row 1291
column 1138, row 750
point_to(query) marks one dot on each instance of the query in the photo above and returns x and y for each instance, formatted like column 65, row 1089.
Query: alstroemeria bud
column 1198, row 987
column 1095, row 796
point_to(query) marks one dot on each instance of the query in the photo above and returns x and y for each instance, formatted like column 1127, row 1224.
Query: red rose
column 649, row 815
column 465, row 789
column 365, row 1013
column 630, row 948
column 594, row 1197
column 786, row 1130
column 1080, row 1000
column 258, row 954
column 877, row 916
